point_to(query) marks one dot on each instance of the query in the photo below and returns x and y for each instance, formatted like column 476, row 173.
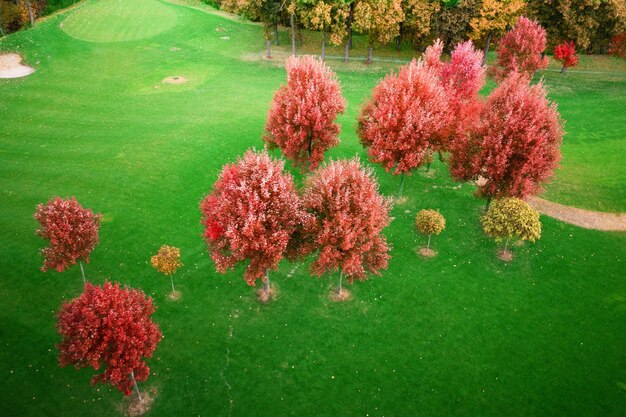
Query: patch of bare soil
column 174, row 295
column 341, row 296
column 579, row 217
column 505, row 255
column 136, row 407
column 11, row 67
column 175, row 80
column 426, row 252
column 400, row 201
column 265, row 296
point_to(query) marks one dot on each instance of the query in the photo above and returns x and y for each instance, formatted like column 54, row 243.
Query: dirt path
column 583, row 218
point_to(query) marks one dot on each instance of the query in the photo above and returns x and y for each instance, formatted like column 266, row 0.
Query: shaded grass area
column 459, row 334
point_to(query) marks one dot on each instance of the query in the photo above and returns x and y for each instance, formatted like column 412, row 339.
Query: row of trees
column 590, row 24
column 433, row 107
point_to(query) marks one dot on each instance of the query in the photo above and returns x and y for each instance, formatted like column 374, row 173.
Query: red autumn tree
column 521, row 49
column 519, row 141
column 250, row 215
column 109, row 327
column 301, row 121
column 462, row 78
column 349, row 215
column 617, row 46
column 566, row 54
column 405, row 119
column 72, row 232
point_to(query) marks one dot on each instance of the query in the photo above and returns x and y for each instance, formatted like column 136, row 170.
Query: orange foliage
column 167, row 260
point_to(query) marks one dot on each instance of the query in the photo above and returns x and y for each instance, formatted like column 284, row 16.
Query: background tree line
column 18, row 14
column 590, row 24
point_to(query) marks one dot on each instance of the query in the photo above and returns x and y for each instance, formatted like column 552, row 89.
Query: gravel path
column 584, row 218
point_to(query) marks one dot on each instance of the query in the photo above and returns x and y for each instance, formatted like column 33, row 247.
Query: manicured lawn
column 459, row 335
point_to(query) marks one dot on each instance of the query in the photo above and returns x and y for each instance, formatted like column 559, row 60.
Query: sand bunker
column 175, row 80
column 11, row 67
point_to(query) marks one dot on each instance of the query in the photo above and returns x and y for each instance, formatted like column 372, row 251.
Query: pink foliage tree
column 349, row 215
column 109, row 327
column 519, row 143
column 250, row 215
column 301, row 121
column 566, row 54
column 462, row 78
column 521, row 49
column 405, row 120
column 72, row 232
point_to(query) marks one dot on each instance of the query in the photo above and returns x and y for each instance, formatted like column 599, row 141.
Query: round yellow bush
column 430, row 222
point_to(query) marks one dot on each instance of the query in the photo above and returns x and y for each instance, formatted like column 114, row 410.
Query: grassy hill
column 461, row 334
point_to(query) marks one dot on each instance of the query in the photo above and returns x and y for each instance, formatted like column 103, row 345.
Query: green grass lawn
column 459, row 335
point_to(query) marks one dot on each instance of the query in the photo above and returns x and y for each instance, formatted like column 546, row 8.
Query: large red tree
column 250, row 215
column 521, row 49
column 462, row 78
column 301, row 121
column 349, row 215
column 109, row 327
column 405, row 119
column 519, row 142
column 72, row 232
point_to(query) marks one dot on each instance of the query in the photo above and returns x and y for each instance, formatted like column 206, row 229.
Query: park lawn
column 461, row 334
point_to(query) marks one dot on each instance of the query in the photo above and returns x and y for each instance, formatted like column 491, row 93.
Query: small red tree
column 301, row 121
column 405, row 119
column 250, row 215
column 109, row 327
column 349, row 215
column 521, row 49
column 566, row 54
column 519, row 140
column 617, row 46
column 71, row 230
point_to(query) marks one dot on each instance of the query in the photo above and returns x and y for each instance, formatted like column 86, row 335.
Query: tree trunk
column 267, row 281
column 488, row 204
column 323, row 48
column 428, row 167
column 506, row 245
column 487, row 42
column 346, row 49
column 399, row 38
column 30, row 13
column 293, row 34
column 563, row 69
column 132, row 376
column 340, row 282
column 428, row 245
column 172, row 282
column 370, row 49
column 349, row 24
column 401, row 186
column 275, row 33
column 310, row 151
column 268, row 49
column 82, row 270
